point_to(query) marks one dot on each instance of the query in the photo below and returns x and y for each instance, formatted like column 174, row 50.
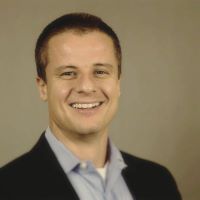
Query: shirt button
column 83, row 165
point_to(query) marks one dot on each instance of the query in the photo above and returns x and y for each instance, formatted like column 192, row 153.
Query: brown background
column 159, row 113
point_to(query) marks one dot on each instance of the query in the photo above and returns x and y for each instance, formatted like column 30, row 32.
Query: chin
column 90, row 131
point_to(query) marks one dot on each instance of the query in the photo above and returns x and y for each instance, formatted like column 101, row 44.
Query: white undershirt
column 102, row 171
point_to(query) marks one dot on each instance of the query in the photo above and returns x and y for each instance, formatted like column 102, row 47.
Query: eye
column 101, row 73
column 68, row 74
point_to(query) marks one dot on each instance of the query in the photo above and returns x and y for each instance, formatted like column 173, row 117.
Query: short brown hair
column 80, row 22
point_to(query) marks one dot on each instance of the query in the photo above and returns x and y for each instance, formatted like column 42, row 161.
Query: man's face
column 82, row 87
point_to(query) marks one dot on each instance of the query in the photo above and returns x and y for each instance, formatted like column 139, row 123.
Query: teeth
column 85, row 105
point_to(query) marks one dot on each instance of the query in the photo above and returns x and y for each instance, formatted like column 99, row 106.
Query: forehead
column 73, row 43
column 74, row 37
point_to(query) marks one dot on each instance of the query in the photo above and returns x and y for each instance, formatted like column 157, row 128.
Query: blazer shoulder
column 24, row 166
column 18, row 166
column 150, row 176
column 146, row 167
column 141, row 163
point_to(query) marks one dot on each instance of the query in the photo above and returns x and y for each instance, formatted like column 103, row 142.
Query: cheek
column 59, row 92
column 113, row 90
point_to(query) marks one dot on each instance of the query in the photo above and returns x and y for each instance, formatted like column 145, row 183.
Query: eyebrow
column 103, row 65
column 63, row 67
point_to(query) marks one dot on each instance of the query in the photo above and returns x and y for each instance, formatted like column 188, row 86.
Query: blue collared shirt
column 86, row 180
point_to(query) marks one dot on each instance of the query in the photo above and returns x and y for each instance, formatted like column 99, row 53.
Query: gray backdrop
column 159, row 113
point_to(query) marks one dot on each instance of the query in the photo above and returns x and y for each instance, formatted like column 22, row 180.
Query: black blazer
column 38, row 175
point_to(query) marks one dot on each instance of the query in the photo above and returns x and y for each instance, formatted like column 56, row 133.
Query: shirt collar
column 65, row 157
column 69, row 161
column 115, row 159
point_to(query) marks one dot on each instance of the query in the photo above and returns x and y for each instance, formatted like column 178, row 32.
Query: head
column 78, row 60
column 80, row 23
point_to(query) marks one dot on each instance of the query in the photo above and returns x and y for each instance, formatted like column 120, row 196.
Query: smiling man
column 82, row 91
column 78, row 58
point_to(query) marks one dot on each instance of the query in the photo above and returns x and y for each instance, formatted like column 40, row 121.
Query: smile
column 85, row 105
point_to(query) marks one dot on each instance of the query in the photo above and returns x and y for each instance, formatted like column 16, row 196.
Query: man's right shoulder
column 27, row 167
column 18, row 168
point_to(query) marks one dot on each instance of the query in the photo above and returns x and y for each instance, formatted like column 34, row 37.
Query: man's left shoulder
column 149, row 178
column 146, row 168
column 143, row 165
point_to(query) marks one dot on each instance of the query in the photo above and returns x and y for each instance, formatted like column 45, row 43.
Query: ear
column 42, row 87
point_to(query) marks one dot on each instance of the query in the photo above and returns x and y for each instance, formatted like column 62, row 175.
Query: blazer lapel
column 128, row 176
column 57, row 183
column 132, row 177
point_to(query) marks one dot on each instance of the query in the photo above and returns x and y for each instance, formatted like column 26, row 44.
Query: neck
column 92, row 147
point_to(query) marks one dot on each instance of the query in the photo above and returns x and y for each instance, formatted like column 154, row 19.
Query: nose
column 86, row 84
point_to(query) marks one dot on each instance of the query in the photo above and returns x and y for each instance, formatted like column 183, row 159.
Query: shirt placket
column 93, row 180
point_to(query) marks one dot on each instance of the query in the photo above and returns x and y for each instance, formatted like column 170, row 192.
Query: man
column 78, row 60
